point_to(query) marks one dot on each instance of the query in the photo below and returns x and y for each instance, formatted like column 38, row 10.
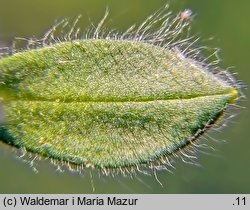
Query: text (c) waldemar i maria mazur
column 78, row 201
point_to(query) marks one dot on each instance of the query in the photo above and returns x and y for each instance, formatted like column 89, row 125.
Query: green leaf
column 107, row 103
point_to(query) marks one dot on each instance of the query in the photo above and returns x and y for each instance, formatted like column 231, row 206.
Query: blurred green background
column 226, row 170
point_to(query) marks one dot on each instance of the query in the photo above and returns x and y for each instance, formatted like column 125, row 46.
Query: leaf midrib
column 229, row 94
